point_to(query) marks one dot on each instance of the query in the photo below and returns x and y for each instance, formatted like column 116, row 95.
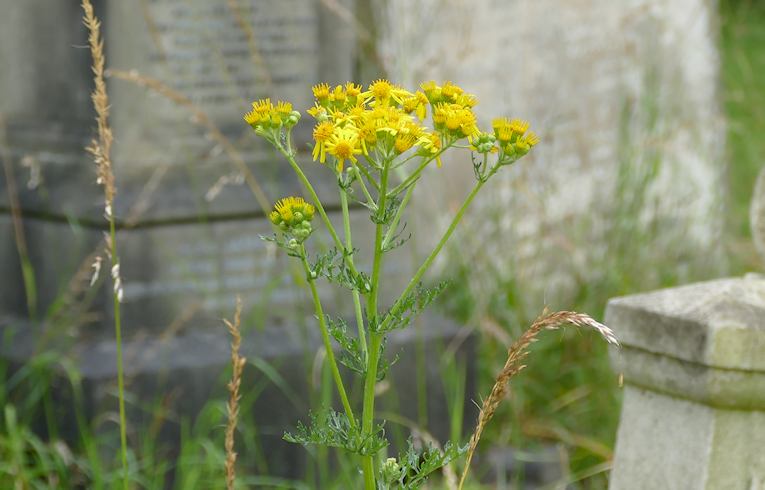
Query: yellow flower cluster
column 513, row 136
column 264, row 115
column 352, row 122
column 385, row 121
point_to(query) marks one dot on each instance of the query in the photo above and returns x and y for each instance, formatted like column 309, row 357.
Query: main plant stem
column 375, row 340
column 325, row 338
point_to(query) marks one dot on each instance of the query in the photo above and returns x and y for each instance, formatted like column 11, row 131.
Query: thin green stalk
column 416, row 174
column 372, row 182
column 325, row 338
column 375, row 342
column 397, row 218
column 349, row 247
column 307, row 184
column 433, row 254
column 118, row 339
column 370, row 201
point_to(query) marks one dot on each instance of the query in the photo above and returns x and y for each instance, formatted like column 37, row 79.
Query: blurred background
column 649, row 112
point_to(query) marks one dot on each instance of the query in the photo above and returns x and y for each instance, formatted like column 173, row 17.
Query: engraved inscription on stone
column 217, row 55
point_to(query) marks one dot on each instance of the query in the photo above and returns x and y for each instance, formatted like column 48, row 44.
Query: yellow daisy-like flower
column 417, row 104
column 317, row 112
column 502, row 130
column 430, row 143
column 531, row 138
column 283, row 108
column 292, row 211
column 344, row 145
column 403, row 142
column 466, row 100
column 383, row 92
column 321, row 92
column 367, row 132
column 352, row 90
column 338, row 96
column 321, row 135
column 260, row 113
column 519, row 126
column 451, row 91
column 432, row 91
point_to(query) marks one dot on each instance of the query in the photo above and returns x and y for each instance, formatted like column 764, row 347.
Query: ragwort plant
column 368, row 138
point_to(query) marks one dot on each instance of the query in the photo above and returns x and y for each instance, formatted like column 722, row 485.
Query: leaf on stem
column 409, row 307
column 332, row 429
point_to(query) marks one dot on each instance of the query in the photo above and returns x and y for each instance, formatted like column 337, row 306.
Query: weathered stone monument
column 624, row 96
column 192, row 185
column 693, row 360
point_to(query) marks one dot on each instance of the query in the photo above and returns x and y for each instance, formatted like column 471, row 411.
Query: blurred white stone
column 757, row 217
column 614, row 89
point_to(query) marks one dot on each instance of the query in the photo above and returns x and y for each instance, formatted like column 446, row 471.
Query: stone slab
column 718, row 324
column 165, row 162
column 674, row 444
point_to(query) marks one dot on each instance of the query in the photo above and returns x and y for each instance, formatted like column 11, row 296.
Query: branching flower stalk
column 368, row 138
column 100, row 148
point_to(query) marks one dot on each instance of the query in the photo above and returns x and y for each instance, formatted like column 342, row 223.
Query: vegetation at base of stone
column 743, row 72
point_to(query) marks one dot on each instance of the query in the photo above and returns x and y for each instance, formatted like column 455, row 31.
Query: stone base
column 693, row 361
column 673, row 444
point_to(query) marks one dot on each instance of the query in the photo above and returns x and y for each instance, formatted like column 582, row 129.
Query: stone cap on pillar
column 704, row 342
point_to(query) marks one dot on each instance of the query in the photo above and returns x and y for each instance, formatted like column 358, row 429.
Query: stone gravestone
column 624, row 97
column 192, row 181
column 757, row 215
column 693, row 415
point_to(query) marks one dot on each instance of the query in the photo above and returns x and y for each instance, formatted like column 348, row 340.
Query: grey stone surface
column 693, row 411
column 757, row 214
column 617, row 91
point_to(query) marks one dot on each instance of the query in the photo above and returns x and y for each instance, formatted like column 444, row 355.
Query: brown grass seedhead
column 101, row 147
column 237, row 364
column 513, row 365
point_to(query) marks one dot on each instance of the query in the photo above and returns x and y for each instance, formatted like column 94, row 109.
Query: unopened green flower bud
column 292, row 244
column 292, row 119
column 391, row 471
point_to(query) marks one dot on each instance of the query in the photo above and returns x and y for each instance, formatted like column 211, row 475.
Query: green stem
column 375, row 342
column 416, row 174
column 325, row 338
column 397, row 217
column 118, row 340
column 349, row 247
column 307, row 184
column 429, row 260
column 370, row 201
